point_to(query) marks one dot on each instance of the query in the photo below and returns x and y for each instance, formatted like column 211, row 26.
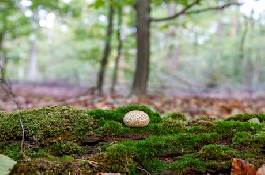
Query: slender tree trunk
column 249, row 70
column 107, row 50
column 178, row 47
column 143, row 47
column 3, row 60
column 32, row 71
column 242, row 48
column 119, row 37
column 171, row 39
column 173, row 54
column 218, row 52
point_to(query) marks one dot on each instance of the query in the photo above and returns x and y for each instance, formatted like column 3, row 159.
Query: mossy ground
column 69, row 140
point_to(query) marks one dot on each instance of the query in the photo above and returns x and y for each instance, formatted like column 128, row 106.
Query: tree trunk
column 107, row 50
column 32, row 70
column 143, row 48
column 240, row 61
column 119, row 37
column 2, row 59
column 171, row 39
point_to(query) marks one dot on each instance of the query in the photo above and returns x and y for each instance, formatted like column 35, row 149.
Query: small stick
column 22, row 142
column 144, row 170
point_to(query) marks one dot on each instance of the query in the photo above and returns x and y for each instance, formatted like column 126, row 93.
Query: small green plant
column 65, row 148
column 66, row 158
column 52, row 158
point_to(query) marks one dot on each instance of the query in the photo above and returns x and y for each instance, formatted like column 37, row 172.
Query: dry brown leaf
column 100, row 104
column 242, row 167
column 261, row 170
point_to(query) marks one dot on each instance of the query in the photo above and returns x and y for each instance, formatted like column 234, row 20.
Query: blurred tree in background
column 161, row 46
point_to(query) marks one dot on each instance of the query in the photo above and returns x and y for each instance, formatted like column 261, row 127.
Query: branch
column 23, row 134
column 214, row 8
column 6, row 85
column 183, row 11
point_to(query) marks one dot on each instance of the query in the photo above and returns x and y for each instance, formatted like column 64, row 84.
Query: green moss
column 203, row 121
column 65, row 148
column 177, row 143
column 175, row 116
column 35, row 152
column 66, row 158
column 250, row 147
column 190, row 145
column 44, row 166
column 116, row 128
column 227, row 129
column 117, row 159
column 245, row 117
column 12, row 151
column 118, row 113
column 52, row 158
column 242, row 138
column 46, row 122
column 155, row 165
column 196, row 164
column 216, row 152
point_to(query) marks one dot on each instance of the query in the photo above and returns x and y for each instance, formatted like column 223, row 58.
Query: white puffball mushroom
column 136, row 119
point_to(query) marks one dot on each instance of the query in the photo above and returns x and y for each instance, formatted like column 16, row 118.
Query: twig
column 144, row 170
column 185, row 10
column 23, row 133
column 7, row 88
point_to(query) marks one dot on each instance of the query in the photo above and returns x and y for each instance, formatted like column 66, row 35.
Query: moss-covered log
column 69, row 140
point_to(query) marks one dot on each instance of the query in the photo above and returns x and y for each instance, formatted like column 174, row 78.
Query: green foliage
column 254, row 120
column 6, row 164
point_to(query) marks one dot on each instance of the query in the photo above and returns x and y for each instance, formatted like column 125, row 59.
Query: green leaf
column 254, row 120
column 6, row 164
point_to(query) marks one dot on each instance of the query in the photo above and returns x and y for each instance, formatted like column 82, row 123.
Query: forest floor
column 180, row 138
column 215, row 104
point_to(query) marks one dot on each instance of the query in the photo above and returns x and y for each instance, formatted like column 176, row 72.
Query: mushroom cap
column 136, row 119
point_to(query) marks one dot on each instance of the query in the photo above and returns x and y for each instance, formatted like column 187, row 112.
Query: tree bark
column 3, row 60
column 242, row 48
column 32, row 70
column 143, row 47
column 119, row 37
column 107, row 51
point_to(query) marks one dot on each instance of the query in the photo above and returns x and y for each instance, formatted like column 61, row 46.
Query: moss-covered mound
column 63, row 140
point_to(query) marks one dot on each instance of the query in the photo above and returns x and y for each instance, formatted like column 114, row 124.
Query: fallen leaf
column 261, row 170
column 242, row 167
column 6, row 164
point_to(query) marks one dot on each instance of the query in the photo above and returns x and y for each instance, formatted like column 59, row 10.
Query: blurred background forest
column 160, row 47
